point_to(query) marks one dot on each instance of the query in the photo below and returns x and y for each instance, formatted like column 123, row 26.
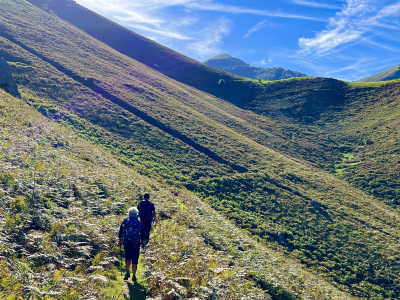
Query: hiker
column 131, row 233
column 147, row 214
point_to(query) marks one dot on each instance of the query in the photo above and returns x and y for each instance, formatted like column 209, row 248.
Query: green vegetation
column 258, row 159
column 371, row 84
column 62, row 242
column 390, row 74
column 237, row 66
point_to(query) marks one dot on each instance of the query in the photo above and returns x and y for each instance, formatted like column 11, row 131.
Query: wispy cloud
column 182, row 24
column 210, row 39
column 349, row 67
column 315, row 4
column 357, row 18
column 265, row 61
column 208, row 5
column 255, row 28
column 172, row 22
column 380, row 45
column 143, row 15
column 169, row 34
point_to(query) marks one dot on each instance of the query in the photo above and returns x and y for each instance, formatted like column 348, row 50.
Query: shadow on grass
column 136, row 291
column 322, row 211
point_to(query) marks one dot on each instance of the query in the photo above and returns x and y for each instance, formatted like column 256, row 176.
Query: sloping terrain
column 146, row 51
column 358, row 120
column 390, row 74
column 234, row 158
column 237, row 66
column 62, row 200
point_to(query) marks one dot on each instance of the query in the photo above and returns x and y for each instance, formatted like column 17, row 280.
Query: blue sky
column 344, row 39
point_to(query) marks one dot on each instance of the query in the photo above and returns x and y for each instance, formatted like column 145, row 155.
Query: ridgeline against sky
column 347, row 40
column 282, row 189
column 237, row 66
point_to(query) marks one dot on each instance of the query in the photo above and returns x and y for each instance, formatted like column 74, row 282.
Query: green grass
column 372, row 84
column 348, row 156
column 80, row 188
column 340, row 171
column 118, row 289
column 260, row 163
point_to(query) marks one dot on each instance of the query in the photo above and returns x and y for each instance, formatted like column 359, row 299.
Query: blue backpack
column 132, row 233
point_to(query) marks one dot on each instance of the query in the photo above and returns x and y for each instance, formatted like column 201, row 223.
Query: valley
column 234, row 167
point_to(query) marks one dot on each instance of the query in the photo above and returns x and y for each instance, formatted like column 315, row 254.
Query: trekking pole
column 120, row 257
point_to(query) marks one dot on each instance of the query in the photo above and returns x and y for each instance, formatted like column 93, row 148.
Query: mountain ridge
column 148, row 52
column 237, row 66
column 273, row 196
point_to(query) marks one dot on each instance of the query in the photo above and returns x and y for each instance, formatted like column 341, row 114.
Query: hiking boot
column 134, row 278
column 127, row 275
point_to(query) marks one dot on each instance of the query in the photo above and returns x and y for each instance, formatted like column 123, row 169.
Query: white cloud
column 314, row 4
column 380, row 45
column 169, row 34
column 210, row 39
column 262, row 62
column 255, row 28
column 208, row 5
column 350, row 24
column 180, row 23
column 144, row 15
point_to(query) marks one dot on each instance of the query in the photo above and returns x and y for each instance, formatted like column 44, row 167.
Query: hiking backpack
column 145, row 211
column 132, row 233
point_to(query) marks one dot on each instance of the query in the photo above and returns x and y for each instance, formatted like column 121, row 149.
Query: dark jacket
column 151, row 209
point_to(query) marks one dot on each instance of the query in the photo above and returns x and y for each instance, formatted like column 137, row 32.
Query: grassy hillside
column 358, row 120
column 62, row 202
column 261, row 173
column 146, row 51
column 390, row 74
column 237, row 66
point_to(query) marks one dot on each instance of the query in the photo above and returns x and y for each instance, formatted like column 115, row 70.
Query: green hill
column 260, row 169
column 390, row 74
column 237, row 66
column 63, row 200
column 144, row 50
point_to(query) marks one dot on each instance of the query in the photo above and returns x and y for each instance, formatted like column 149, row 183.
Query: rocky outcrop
column 7, row 82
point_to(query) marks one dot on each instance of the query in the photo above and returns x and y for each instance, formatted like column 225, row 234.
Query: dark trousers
column 147, row 227
column 132, row 252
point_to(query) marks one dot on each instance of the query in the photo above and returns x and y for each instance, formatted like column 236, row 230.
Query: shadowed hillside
column 237, row 66
column 251, row 168
column 146, row 51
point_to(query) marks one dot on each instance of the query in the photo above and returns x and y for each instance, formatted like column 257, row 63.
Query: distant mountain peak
column 224, row 61
column 239, row 67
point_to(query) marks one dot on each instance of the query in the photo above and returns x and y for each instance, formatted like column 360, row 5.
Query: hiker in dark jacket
column 132, row 234
column 147, row 214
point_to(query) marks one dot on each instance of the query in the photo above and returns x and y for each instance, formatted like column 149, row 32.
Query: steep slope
column 237, row 66
column 62, row 200
column 148, row 52
column 390, row 74
column 172, row 131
